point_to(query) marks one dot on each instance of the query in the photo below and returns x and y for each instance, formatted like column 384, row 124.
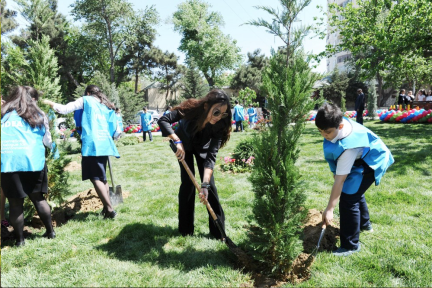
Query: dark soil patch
column 300, row 270
column 7, row 234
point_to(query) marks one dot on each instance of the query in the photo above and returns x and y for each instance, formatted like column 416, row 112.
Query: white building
column 337, row 60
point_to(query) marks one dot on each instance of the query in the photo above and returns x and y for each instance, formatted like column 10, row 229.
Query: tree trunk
column 111, row 49
column 209, row 80
column 136, row 80
column 72, row 78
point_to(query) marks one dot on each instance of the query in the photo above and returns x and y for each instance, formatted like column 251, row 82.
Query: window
column 343, row 58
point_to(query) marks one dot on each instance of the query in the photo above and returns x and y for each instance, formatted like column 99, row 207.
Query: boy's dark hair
column 328, row 116
column 236, row 102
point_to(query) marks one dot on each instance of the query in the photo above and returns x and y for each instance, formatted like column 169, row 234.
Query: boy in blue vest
column 357, row 158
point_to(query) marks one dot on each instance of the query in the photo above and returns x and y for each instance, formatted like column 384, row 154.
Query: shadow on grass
column 139, row 242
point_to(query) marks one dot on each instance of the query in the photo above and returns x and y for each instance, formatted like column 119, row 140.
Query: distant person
column 119, row 119
column 99, row 127
column 168, row 110
column 359, row 106
column 252, row 113
column 146, row 124
column 421, row 95
column 429, row 96
column 409, row 98
column 204, row 127
column 266, row 116
column 23, row 167
column 402, row 98
column 357, row 158
column 238, row 116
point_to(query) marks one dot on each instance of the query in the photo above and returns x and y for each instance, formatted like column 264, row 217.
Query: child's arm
column 334, row 198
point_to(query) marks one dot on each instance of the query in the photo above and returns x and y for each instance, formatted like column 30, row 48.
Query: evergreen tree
column 336, row 91
column 193, row 84
column 278, row 210
column 8, row 21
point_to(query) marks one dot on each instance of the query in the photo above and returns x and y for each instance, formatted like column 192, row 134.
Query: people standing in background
column 238, row 116
column 252, row 116
column 409, row 98
column 99, row 126
column 23, row 168
column 119, row 119
column 421, row 95
column 359, row 106
column 402, row 100
column 146, row 121
column 429, row 96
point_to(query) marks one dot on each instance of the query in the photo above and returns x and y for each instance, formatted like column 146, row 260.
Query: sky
column 234, row 13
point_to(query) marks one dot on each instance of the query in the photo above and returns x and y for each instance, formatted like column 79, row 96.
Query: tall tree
column 138, row 55
column 108, row 20
column 282, row 24
column 169, row 71
column 8, row 21
column 203, row 41
column 250, row 74
column 382, row 36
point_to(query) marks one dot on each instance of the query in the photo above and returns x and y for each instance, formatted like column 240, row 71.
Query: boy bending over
column 357, row 157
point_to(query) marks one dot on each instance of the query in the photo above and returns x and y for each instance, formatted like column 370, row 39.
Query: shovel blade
column 116, row 197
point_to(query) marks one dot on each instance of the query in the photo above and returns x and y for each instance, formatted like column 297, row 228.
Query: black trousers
column 354, row 213
column 239, row 124
column 359, row 117
column 150, row 135
column 187, row 198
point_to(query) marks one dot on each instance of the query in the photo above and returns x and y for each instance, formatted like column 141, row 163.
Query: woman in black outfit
column 204, row 127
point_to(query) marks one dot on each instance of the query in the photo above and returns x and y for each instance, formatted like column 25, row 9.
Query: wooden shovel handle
column 198, row 187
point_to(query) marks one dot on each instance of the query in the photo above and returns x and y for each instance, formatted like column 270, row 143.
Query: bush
column 124, row 141
column 242, row 158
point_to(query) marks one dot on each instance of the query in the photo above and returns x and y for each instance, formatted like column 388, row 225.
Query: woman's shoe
column 110, row 215
column 102, row 213
column 51, row 235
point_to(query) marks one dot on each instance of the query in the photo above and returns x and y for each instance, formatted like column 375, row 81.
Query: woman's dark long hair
column 21, row 100
column 96, row 92
column 194, row 109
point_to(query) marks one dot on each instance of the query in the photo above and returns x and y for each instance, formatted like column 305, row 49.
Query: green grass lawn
column 142, row 247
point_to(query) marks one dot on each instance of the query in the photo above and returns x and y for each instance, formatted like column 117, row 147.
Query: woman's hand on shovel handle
column 203, row 195
column 180, row 152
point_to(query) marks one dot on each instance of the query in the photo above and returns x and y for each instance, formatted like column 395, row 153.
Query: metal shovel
column 315, row 250
column 116, row 195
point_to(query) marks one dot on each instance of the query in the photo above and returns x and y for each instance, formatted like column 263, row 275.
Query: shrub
column 242, row 159
column 124, row 141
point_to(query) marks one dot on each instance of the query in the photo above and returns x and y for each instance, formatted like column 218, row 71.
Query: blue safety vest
column 238, row 113
column 119, row 121
column 375, row 153
column 22, row 146
column 252, row 115
column 146, row 119
column 98, row 124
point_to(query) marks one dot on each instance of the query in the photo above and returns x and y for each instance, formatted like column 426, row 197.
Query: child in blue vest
column 238, row 116
column 146, row 124
column 119, row 119
column 24, row 133
column 252, row 116
column 99, row 125
column 357, row 158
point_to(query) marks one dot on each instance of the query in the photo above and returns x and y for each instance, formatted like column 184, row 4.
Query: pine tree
column 194, row 86
column 336, row 91
column 278, row 210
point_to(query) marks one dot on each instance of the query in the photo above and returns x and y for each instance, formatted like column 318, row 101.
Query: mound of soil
column 72, row 166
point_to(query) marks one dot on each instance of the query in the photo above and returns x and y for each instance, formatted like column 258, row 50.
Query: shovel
column 241, row 255
column 116, row 195
column 315, row 250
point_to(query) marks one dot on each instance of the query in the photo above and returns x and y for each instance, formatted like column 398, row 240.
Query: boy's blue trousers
column 354, row 213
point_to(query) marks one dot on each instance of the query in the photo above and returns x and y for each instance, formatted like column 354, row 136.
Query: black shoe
column 19, row 244
column 110, row 215
column 51, row 235
column 102, row 213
